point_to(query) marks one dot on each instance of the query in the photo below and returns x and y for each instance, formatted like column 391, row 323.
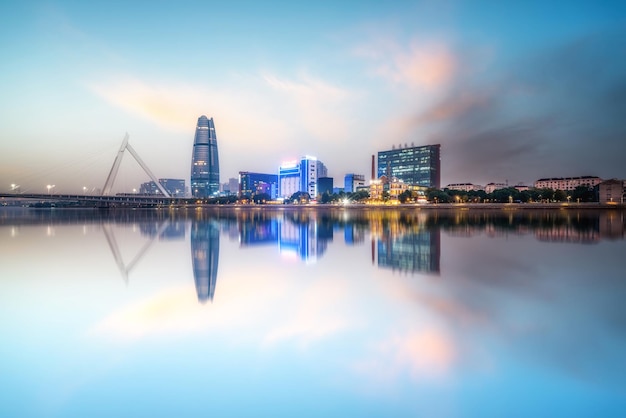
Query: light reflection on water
column 312, row 312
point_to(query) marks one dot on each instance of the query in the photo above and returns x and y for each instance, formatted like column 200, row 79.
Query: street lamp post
column 50, row 187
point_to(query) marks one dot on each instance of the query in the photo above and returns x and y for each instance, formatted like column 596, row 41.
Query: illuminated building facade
column 205, row 168
column 288, row 179
column 352, row 182
column 251, row 184
column 415, row 166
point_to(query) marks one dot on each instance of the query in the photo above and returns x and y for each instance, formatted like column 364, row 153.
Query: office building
column 251, row 184
column 205, row 169
column 288, row 179
column 311, row 169
column 324, row 185
column 353, row 181
column 415, row 166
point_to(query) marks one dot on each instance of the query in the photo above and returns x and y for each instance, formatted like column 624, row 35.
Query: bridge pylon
column 106, row 190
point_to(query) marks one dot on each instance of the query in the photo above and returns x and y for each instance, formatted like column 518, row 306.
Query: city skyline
column 513, row 93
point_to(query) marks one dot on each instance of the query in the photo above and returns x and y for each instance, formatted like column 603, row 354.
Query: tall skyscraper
column 205, row 168
column 416, row 166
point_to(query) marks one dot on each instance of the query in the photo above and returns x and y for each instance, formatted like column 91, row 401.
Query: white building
column 567, row 183
column 300, row 176
column 464, row 187
column 489, row 188
column 288, row 179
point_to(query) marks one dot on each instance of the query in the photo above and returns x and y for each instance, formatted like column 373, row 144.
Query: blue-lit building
column 352, row 182
column 415, row 166
column 251, row 184
column 311, row 169
column 301, row 176
column 205, row 168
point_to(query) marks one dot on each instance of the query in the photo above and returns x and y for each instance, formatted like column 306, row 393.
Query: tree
column 437, row 196
column 560, row 195
column 326, row 197
column 261, row 198
column 583, row 194
column 404, row 196
column 300, row 197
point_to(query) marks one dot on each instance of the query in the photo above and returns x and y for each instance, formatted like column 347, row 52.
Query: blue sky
column 513, row 91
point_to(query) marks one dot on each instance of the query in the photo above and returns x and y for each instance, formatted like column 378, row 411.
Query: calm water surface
column 285, row 313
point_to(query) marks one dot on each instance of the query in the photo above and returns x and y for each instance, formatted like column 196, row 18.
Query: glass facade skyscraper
column 416, row 166
column 205, row 168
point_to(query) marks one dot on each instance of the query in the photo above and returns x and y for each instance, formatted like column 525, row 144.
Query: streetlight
column 50, row 186
column 14, row 187
column 84, row 189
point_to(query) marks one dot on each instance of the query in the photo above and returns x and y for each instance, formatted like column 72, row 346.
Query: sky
column 513, row 91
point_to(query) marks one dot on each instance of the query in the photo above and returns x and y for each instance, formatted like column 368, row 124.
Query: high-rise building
column 310, row 170
column 415, row 166
column 288, row 179
column 205, row 168
column 301, row 176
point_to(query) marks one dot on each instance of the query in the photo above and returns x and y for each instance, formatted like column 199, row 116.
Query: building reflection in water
column 404, row 240
column 303, row 236
column 205, row 254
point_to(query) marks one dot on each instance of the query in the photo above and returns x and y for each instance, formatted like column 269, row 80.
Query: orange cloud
column 423, row 65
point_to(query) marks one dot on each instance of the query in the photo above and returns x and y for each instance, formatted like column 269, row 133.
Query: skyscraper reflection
column 415, row 252
column 205, row 254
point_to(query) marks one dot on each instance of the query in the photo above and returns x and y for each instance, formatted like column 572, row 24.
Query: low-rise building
column 464, row 187
column 611, row 191
column 394, row 187
column 567, row 183
column 490, row 187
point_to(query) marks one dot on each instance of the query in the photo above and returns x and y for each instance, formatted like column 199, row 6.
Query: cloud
column 544, row 115
column 426, row 65
column 421, row 353
column 168, row 105
column 321, row 108
column 316, row 317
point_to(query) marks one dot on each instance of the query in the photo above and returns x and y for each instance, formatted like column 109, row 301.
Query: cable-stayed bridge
column 105, row 199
